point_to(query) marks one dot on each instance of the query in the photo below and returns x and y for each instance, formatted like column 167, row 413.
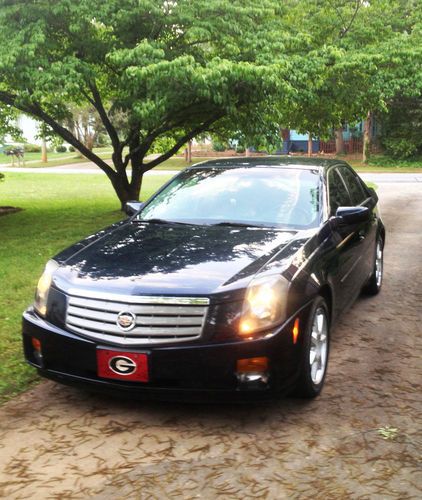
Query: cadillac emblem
column 126, row 320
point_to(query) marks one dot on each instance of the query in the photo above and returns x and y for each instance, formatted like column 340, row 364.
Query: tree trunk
column 127, row 191
column 367, row 136
column 44, row 151
column 247, row 152
column 189, row 155
column 339, row 141
column 285, row 137
column 309, row 144
column 89, row 142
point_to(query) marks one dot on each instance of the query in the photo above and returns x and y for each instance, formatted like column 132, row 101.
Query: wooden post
column 309, row 144
column 366, row 143
column 44, row 151
column 339, row 141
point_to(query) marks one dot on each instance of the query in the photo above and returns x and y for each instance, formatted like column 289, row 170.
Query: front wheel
column 315, row 351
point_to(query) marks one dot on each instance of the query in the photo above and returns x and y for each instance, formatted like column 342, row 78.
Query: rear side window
column 355, row 188
column 337, row 192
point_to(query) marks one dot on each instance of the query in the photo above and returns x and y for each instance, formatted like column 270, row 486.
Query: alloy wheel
column 378, row 265
column 319, row 346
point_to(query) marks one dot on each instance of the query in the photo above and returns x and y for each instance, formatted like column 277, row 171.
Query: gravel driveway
column 360, row 439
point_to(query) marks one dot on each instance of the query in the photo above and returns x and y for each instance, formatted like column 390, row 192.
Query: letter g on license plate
column 122, row 365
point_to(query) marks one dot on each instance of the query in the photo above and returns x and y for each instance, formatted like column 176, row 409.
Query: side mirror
column 352, row 215
column 132, row 207
column 374, row 195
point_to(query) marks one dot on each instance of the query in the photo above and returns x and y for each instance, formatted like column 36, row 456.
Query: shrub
column 218, row 146
column 401, row 128
column 162, row 144
column 240, row 149
column 61, row 149
column 102, row 140
column 32, row 148
column 72, row 149
column 388, row 161
column 400, row 147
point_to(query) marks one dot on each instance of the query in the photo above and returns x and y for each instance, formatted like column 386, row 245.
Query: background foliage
column 153, row 74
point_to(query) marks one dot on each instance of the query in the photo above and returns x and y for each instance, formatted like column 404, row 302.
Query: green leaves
column 8, row 126
column 153, row 68
column 349, row 57
column 149, row 59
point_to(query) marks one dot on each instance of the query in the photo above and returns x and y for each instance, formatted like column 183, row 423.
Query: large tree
column 149, row 68
column 360, row 56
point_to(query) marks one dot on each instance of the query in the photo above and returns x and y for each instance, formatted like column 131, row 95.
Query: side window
column 355, row 188
column 337, row 192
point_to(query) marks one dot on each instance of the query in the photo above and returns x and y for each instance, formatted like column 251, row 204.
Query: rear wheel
column 374, row 283
column 315, row 351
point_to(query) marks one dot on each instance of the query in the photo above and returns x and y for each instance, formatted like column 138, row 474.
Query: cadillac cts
column 226, row 282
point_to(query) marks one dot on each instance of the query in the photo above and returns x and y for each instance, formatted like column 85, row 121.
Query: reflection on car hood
column 142, row 258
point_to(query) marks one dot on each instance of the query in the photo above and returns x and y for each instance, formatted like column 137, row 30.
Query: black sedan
column 226, row 282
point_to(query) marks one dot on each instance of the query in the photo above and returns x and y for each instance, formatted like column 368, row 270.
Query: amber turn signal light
column 295, row 331
column 252, row 365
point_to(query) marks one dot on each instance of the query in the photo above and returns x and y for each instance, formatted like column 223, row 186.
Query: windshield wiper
column 162, row 221
column 237, row 224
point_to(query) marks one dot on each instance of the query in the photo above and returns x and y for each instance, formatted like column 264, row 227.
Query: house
column 294, row 142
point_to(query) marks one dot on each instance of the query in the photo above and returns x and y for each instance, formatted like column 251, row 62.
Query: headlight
column 264, row 305
column 41, row 294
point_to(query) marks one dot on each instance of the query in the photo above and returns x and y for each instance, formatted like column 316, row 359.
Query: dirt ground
column 360, row 439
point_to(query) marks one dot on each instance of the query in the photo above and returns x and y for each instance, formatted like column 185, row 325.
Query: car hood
column 144, row 258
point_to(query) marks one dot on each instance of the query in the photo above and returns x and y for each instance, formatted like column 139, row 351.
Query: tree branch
column 183, row 140
column 346, row 29
column 36, row 110
column 98, row 104
column 166, row 126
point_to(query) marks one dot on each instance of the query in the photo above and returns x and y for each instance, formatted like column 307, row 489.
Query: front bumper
column 194, row 371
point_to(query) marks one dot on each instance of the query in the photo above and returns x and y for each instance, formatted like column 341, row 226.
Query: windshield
column 261, row 196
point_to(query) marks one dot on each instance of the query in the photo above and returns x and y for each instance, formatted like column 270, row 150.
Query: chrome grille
column 158, row 319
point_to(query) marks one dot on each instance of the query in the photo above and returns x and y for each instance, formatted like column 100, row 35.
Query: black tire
column 373, row 286
column 311, row 380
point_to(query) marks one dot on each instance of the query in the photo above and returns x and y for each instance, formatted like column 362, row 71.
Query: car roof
column 272, row 161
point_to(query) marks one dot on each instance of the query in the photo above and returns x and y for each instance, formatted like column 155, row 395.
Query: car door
column 346, row 264
column 367, row 231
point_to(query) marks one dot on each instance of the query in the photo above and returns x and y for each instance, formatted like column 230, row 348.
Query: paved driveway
column 58, row 442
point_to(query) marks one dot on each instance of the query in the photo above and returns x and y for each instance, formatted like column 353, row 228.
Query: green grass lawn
column 177, row 163
column 376, row 164
column 57, row 211
column 360, row 167
column 33, row 160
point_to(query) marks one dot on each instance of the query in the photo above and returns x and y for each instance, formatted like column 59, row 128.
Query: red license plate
column 122, row 365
